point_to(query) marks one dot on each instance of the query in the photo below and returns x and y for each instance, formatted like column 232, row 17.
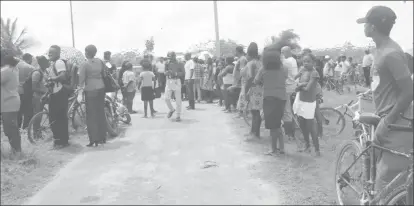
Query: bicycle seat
column 369, row 118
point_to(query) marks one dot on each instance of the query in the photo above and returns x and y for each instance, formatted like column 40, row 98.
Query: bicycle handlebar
column 399, row 127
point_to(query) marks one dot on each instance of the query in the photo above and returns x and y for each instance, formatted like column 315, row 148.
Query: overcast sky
column 117, row 25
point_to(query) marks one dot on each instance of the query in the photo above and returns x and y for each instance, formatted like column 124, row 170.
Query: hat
column 378, row 15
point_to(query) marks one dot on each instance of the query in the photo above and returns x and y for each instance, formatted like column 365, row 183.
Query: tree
column 149, row 45
column 12, row 40
column 227, row 47
column 286, row 38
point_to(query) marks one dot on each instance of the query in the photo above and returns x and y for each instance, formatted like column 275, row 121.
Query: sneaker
column 178, row 119
column 170, row 113
column 145, row 116
column 307, row 150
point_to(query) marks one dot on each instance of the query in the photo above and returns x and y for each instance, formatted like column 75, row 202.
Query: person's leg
column 319, row 119
column 21, row 112
column 101, row 118
column 274, row 138
column 199, row 95
column 53, row 117
column 58, row 108
column 91, row 98
column 315, row 140
column 227, row 98
column 129, row 101
column 151, row 103
column 28, row 110
column 178, row 99
column 145, row 108
column 63, row 114
column 252, row 128
column 11, row 130
column 366, row 75
column 288, row 118
column 132, row 101
column 305, row 132
column 167, row 97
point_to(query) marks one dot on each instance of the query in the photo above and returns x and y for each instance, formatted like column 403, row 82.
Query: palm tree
column 11, row 39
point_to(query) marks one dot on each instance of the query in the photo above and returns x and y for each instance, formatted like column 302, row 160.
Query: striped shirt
column 198, row 71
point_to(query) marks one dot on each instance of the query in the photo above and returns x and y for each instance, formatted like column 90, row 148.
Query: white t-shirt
column 146, row 78
column 291, row 66
column 160, row 67
column 367, row 60
column 60, row 67
column 189, row 65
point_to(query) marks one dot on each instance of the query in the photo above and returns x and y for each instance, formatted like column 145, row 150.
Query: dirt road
column 200, row 160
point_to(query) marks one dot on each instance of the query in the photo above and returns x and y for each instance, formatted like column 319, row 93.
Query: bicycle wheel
column 39, row 128
column 333, row 122
column 79, row 117
column 345, row 195
column 397, row 197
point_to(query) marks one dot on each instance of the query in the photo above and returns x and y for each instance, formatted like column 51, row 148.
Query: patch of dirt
column 302, row 177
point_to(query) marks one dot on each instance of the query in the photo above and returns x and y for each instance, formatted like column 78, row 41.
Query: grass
column 303, row 178
column 24, row 174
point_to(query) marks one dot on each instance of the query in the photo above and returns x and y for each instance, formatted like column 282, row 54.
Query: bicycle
column 39, row 126
column 333, row 84
column 352, row 110
column 365, row 149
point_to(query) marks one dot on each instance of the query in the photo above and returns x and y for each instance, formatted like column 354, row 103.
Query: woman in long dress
column 208, row 81
column 253, row 93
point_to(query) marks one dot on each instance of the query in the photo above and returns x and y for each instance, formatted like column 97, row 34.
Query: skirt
column 273, row 109
column 147, row 93
column 304, row 109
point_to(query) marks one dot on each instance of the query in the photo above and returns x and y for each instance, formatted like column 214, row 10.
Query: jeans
column 190, row 92
column 129, row 100
column 95, row 115
column 58, row 116
column 173, row 87
column 11, row 130
column 367, row 75
column 161, row 81
column 197, row 88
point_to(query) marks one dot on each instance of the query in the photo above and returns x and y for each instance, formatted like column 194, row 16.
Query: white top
column 160, row 67
column 291, row 66
column 228, row 79
column 60, row 67
column 339, row 67
column 189, row 65
column 367, row 60
column 147, row 78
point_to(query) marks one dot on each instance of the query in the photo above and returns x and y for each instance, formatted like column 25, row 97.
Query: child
column 147, row 79
column 305, row 102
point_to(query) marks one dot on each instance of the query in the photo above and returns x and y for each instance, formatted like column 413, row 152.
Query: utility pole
column 218, row 53
column 71, row 21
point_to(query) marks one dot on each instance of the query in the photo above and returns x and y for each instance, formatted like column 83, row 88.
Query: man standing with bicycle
column 58, row 102
column 392, row 95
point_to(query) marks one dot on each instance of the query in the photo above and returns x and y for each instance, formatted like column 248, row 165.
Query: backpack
column 27, row 85
column 71, row 74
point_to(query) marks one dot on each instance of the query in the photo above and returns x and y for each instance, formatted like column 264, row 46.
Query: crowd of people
column 276, row 82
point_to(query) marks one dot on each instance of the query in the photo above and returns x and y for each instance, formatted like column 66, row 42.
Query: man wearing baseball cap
column 392, row 94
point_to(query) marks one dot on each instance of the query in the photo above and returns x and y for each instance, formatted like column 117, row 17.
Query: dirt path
column 164, row 162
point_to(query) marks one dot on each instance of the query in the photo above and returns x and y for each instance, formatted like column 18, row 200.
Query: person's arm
column 61, row 71
column 250, row 77
column 401, row 74
column 224, row 72
column 298, row 75
column 259, row 77
column 192, row 67
column 82, row 75
column 312, row 82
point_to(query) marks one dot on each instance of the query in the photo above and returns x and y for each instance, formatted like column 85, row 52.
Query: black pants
column 208, row 95
column 25, row 111
column 256, row 122
column 161, row 81
column 11, row 130
column 367, row 75
column 58, row 110
column 219, row 94
column 235, row 93
column 227, row 96
column 190, row 92
column 95, row 115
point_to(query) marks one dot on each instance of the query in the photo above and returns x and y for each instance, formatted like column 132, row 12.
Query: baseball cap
column 378, row 15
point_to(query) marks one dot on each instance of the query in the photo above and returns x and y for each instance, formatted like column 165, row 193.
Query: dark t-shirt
column 306, row 76
column 390, row 64
column 274, row 82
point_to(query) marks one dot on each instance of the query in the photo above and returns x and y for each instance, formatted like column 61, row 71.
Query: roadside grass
column 301, row 177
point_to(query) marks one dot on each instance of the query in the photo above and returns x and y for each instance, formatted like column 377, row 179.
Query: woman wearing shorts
column 273, row 78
